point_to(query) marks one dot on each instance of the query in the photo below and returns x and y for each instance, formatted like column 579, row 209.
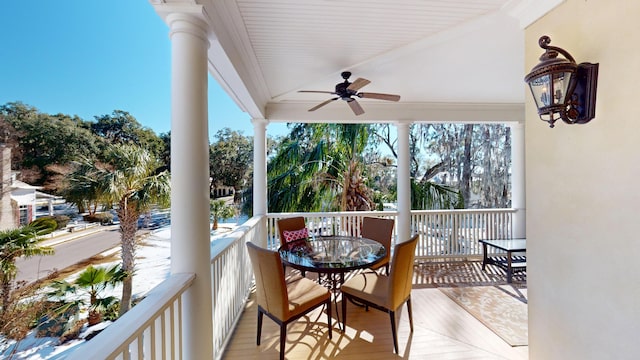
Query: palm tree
column 135, row 180
column 219, row 209
column 323, row 167
column 320, row 167
column 14, row 243
column 429, row 195
column 94, row 280
column 82, row 188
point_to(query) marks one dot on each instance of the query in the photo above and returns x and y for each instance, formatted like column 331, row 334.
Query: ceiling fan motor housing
column 343, row 91
column 347, row 91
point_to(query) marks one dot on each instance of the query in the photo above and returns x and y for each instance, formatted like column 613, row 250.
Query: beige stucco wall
column 583, row 222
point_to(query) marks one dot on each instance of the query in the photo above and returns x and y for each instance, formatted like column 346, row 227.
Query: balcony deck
column 442, row 329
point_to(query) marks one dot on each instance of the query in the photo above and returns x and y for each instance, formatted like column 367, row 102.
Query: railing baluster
column 443, row 233
column 153, row 340
column 163, row 330
column 139, row 353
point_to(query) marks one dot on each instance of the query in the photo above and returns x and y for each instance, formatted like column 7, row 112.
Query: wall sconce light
column 561, row 88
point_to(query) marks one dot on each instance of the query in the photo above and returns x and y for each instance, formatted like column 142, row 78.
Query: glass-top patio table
column 332, row 254
column 509, row 263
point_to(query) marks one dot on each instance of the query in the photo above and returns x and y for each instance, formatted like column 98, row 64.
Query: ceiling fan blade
column 322, row 104
column 388, row 97
column 316, row 91
column 358, row 84
column 355, row 106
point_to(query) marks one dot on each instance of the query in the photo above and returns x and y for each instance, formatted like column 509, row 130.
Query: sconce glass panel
column 540, row 88
column 560, row 88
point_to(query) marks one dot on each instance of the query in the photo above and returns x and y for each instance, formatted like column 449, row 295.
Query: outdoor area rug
column 501, row 308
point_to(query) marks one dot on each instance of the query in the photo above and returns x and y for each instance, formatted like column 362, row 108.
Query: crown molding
column 296, row 111
column 528, row 11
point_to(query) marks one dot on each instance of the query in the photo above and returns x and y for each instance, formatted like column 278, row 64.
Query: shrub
column 21, row 316
column 112, row 312
column 60, row 220
column 102, row 218
column 72, row 332
column 59, row 320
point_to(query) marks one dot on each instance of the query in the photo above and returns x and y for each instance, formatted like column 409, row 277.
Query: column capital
column 516, row 125
column 260, row 122
column 189, row 18
column 403, row 124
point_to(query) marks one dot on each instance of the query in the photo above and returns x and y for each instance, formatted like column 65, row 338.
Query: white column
column 259, row 166
column 260, row 177
column 404, row 183
column 190, row 238
column 518, row 198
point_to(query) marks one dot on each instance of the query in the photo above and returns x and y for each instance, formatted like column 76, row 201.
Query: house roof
column 459, row 60
column 17, row 184
column 41, row 195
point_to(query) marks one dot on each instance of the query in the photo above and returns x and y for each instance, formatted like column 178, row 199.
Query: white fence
column 443, row 233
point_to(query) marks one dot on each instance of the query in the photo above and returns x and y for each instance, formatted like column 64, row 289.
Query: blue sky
column 88, row 58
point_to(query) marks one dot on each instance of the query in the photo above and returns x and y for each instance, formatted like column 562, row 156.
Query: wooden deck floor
column 442, row 330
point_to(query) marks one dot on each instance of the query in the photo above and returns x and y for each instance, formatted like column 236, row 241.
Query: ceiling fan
column 348, row 91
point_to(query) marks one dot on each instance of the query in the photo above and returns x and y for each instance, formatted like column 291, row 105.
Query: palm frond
column 428, row 195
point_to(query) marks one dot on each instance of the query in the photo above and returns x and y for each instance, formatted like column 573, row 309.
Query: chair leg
column 259, row 326
column 344, row 313
column 328, row 305
column 410, row 313
column 392, row 316
column 283, row 339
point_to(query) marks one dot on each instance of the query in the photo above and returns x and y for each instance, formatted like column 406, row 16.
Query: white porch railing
column 232, row 276
column 150, row 330
column 456, row 233
column 326, row 223
column 443, row 233
column 153, row 328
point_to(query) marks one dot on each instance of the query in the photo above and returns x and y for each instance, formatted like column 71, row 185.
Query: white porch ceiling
column 441, row 56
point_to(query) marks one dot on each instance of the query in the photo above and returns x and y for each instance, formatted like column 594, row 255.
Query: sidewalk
column 62, row 236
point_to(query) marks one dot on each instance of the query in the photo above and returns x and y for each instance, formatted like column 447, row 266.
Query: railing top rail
column 333, row 214
column 218, row 246
column 126, row 328
column 387, row 213
column 465, row 211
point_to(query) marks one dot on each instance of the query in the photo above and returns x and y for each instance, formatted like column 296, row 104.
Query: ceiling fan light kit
column 348, row 91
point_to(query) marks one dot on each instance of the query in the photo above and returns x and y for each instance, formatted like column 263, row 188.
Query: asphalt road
column 67, row 254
